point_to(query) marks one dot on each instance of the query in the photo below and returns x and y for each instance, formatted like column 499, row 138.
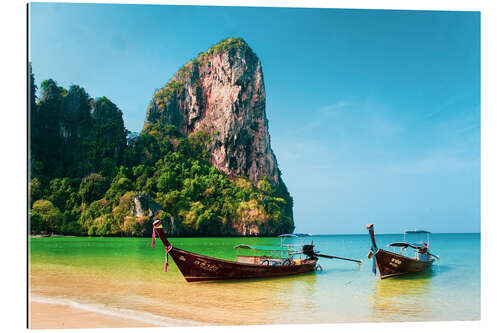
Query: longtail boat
column 278, row 261
column 391, row 264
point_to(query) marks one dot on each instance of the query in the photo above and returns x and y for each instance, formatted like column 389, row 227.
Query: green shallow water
column 126, row 273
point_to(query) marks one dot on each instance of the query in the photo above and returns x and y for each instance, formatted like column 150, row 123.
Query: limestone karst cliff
column 222, row 92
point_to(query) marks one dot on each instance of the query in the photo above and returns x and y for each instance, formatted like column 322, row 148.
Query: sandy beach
column 54, row 313
column 54, row 316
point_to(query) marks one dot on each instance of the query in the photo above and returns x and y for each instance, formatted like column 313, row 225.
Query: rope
column 167, row 249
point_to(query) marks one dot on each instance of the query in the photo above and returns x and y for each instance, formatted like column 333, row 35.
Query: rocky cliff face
column 222, row 92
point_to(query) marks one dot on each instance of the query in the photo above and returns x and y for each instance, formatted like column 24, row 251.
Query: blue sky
column 374, row 115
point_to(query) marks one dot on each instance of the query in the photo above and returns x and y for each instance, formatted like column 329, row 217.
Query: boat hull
column 391, row 264
column 196, row 267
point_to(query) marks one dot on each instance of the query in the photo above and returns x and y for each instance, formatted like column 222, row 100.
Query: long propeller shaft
column 434, row 255
column 335, row 257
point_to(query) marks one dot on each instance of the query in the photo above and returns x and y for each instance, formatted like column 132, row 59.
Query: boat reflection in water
column 403, row 298
column 289, row 299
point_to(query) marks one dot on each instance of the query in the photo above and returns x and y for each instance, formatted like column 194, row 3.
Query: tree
column 47, row 218
column 36, row 191
column 92, row 188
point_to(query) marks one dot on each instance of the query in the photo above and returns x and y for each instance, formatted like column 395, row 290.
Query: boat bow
column 158, row 230
column 373, row 250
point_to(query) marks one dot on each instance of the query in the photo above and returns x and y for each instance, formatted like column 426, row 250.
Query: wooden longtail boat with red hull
column 196, row 267
column 390, row 264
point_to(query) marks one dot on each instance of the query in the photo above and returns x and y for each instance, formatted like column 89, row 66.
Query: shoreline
column 57, row 313
column 239, row 236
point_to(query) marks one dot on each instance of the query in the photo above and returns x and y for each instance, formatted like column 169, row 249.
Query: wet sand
column 54, row 316
column 54, row 313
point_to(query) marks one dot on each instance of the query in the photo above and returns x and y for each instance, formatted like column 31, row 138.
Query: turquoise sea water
column 125, row 273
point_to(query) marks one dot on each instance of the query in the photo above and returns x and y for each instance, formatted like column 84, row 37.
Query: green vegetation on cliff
column 72, row 134
column 87, row 179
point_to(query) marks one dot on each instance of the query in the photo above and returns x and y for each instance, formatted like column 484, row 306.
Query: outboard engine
column 308, row 250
